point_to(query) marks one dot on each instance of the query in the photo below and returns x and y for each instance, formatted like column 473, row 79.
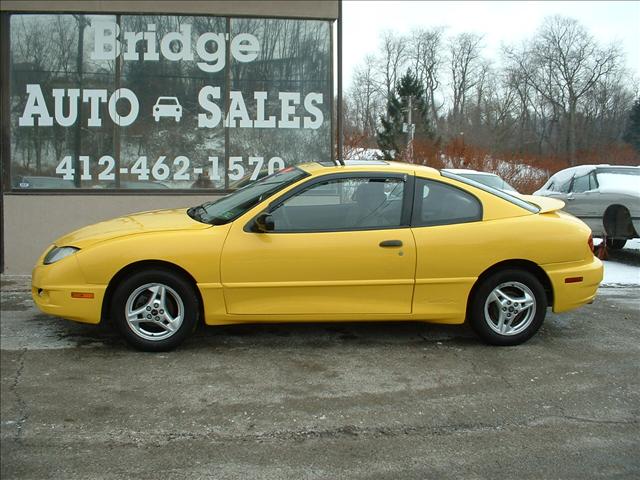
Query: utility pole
column 409, row 128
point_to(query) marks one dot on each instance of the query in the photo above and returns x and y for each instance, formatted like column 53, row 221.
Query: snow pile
column 617, row 273
column 619, row 183
column 361, row 153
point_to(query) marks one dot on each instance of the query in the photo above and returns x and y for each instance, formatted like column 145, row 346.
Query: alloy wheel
column 154, row 311
column 510, row 308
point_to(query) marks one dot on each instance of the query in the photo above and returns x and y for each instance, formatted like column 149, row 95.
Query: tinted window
column 343, row 204
column 227, row 209
column 440, row 204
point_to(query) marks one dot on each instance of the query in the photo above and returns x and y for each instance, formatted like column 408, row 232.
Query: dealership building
column 113, row 107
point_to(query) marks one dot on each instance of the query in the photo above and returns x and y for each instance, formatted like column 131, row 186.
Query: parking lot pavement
column 353, row 401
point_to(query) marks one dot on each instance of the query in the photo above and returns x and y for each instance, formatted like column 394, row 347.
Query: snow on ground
column 617, row 273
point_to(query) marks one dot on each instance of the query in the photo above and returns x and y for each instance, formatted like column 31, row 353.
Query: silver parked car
column 605, row 197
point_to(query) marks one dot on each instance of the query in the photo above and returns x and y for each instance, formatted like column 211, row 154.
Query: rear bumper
column 574, row 284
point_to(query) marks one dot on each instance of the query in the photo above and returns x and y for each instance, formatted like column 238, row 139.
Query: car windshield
column 490, row 180
column 228, row 208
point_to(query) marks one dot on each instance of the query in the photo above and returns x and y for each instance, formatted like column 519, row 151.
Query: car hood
column 144, row 222
column 545, row 204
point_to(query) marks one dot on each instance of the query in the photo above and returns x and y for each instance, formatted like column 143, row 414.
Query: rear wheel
column 616, row 243
column 155, row 310
column 508, row 308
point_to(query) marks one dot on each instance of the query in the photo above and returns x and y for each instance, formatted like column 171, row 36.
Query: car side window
column 580, row 184
column 342, row 204
column 562, row 187
column 584, row 183
column 437, row 203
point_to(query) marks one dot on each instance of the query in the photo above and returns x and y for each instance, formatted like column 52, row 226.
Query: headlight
column 58, row 253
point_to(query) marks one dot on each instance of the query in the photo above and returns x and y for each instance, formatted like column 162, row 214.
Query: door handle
column 391, row 243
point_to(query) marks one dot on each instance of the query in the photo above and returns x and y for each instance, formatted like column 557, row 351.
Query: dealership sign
column 49, row 107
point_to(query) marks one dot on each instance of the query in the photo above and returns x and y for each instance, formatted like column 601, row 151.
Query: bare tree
column 425, row 55
column 465, row 67
column 563, row 63
column 558, row 94
column 392, row 61
column 365, row 96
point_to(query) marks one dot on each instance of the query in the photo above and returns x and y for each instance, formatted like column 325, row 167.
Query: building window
column 165, row 102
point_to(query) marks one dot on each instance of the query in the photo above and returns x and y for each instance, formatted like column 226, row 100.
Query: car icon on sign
column 167, row 107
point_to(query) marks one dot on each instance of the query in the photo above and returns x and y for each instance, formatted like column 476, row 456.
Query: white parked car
column 167, row 107
column 484, row 178
column 605, row 197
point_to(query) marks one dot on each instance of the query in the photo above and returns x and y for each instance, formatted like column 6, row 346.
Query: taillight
column 590, row 243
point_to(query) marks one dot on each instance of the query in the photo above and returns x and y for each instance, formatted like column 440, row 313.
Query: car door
column 340, row 244
column 585, row 201
column 446, row 224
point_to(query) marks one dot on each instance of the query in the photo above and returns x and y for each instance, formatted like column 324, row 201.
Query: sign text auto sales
column 210, row 49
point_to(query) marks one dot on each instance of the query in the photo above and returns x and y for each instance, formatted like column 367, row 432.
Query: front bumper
column 52, row 286
column 568, row 291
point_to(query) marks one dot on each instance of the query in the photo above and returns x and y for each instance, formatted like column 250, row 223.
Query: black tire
column 616, row 243
column 158, row 323
column 518, row 287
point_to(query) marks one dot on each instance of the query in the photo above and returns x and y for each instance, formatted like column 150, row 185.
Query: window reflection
column 153, row 102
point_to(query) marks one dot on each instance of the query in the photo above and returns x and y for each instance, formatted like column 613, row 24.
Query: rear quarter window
column 437, row 203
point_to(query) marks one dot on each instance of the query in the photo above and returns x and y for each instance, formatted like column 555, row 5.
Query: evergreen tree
column 632, row 132
column 390, row 136
column 391, row 139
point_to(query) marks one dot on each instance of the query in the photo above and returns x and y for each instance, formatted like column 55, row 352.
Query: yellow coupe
column 317, row 242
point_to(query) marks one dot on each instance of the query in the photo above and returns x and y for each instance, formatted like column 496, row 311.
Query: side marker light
column 81, row 295
column 573, row 279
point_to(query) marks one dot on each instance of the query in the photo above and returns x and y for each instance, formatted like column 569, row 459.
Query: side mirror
column 264, row 223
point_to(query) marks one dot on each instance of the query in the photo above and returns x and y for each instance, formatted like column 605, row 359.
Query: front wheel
column 508, row 308
column 155, row 310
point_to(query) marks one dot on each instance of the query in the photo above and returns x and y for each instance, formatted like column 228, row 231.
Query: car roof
column 610, row 168
column 320, row 168
column 589, row 168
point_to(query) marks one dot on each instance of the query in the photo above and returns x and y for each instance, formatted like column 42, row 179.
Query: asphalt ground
column 322, row 401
